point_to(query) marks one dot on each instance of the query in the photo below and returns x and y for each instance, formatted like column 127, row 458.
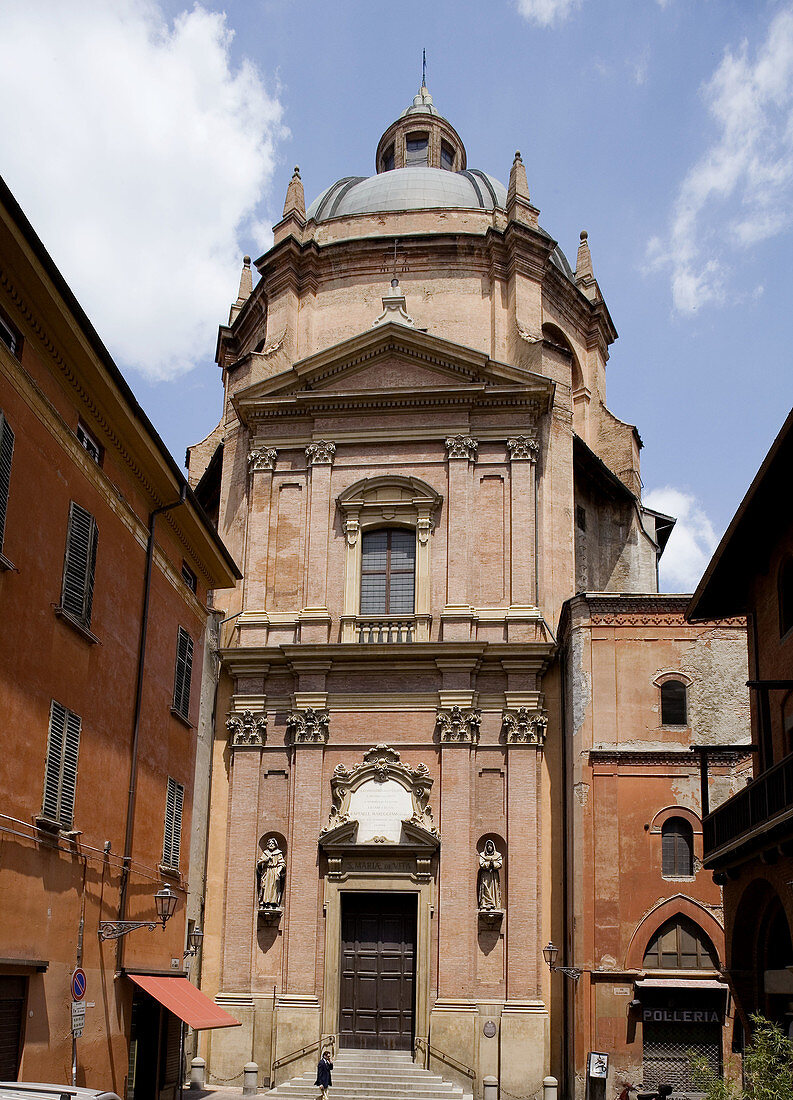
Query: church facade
column 416, row 478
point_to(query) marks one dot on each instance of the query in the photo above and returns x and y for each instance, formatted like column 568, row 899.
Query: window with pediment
column 388, row 523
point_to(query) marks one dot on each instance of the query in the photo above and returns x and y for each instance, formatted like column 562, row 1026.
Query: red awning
column 182, row 998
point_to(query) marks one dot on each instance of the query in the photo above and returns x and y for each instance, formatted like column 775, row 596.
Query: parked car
column 25, row 1090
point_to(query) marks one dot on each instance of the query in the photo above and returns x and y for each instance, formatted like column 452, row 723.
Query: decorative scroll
column 320, row 452
column 523, row 447
column 524, row 726
column 247, row 729
column 455, row 724
column 461, row 446
column 262, row 458
column 308, row 726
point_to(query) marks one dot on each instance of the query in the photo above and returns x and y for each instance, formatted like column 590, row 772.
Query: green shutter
column 183, row 674
column 60, row 774
column 6, row 453
column 172, row 837
column 80, row 564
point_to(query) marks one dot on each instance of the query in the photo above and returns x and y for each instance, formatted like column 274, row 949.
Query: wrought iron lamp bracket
column 115, row 929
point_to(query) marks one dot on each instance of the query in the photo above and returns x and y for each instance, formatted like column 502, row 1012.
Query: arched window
column 388, row 571
column 674, row 710
column 785, row 591
column 677, row 848
column 680, row 944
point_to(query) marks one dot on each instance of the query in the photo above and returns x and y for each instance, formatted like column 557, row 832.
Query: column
column 248, row 733
column 522, row 456
column 454, row 1014
column 457, row 615
column 315, row 617
column 261, row 464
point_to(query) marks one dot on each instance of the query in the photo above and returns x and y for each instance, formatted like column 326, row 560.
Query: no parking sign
column 78, row 984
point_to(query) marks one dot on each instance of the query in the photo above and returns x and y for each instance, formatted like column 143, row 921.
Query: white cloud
column 139, row 151
column 691, row 543
column 740, row 192
column 546, row 13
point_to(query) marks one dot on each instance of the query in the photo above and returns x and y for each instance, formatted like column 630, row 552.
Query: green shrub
column 767, row 1068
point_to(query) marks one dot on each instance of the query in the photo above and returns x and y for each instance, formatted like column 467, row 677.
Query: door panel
column 378, row 960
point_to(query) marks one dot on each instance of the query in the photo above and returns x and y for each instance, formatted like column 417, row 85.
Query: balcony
column 385, row 629
column 758, row 816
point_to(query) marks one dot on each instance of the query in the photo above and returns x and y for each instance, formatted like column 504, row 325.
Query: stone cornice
column 683, row 757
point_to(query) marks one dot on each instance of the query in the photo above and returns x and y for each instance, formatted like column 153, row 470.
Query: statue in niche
column 271, row 869
column 489, row 880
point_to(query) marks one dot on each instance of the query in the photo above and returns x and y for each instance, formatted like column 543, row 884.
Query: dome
column 416, row 188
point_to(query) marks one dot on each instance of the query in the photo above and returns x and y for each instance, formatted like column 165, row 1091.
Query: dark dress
column 323, row 1073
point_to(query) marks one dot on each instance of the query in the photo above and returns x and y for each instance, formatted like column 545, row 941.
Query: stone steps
column 373, row 1075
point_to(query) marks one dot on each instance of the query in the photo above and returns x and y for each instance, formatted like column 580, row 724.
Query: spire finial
column 518, row 184
column 584, row 273
column 295, row 202
column 424, row 68
column 246, row 288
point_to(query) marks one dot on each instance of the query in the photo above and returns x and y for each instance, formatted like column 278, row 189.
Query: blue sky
column 155, row 142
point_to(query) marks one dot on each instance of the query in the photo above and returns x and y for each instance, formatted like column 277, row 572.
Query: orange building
column 749, row 838
column 644, row 918
column 106, row 561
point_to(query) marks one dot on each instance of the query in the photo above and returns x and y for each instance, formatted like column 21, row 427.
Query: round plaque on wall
column 489, row 1028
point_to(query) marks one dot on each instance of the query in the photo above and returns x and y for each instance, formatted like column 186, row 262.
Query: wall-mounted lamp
column 164, row 902
column 194, row 941
column 551, row 954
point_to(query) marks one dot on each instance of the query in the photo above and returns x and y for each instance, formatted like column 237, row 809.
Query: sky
column 153, row 141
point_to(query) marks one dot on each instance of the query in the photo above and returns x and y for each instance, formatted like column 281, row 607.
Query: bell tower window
column 417, row 146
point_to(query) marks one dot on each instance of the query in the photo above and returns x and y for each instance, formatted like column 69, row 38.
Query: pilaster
column 522, row 452
column 315, row 617
column 261, row 465
column 247, row 737
column 457, row 616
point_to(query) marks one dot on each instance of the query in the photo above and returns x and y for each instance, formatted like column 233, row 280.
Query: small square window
column 189, row 577
column 90, row 443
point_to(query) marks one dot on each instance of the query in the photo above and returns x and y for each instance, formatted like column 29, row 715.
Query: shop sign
column 681, row 1016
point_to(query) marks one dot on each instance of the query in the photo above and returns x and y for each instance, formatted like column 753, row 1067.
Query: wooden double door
column 378, row 971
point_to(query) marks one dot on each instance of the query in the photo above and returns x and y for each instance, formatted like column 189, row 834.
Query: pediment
column 389, row 359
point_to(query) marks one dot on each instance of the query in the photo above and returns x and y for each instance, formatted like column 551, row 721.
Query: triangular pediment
column 389, row 359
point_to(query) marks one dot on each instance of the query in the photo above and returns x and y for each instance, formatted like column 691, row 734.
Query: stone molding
column 381, row 763
column 461, row 446
column 308, row 727
column 523, row 447
column 262, row 458
column 524, row 726
column 320, row 453
column 455, row 725
column 248, row 730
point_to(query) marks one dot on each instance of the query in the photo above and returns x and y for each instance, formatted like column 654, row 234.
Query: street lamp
column 165, row 904
column 194, row 940
column 551, row 954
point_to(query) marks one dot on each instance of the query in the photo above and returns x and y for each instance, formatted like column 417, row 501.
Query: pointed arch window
column 680, row 944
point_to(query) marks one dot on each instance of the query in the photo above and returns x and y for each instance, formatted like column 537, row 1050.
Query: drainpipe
column 133, row 771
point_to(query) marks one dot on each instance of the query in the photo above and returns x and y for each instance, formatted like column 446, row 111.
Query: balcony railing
column 768, row 797
column 384, row 629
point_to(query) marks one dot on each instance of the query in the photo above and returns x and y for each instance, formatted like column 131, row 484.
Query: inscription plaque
column 380, row 809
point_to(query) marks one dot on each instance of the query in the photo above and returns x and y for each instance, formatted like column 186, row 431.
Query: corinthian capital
column 308, row 726
column 524, row 726
column 262, row 458
column 523, row 447
column 461, row 446
column 247, row 729
column 320, row 452
column 456, row 724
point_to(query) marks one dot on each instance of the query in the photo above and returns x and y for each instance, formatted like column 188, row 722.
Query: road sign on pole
column 78, row 1018
column 78, row 984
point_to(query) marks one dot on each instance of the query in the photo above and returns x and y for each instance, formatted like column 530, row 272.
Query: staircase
column 373, row 1075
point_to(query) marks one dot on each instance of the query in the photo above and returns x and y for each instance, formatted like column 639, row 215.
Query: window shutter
column 6, row 453
column 172, row 837
column 60, row 775
column 184, row 671
column 80, row 564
